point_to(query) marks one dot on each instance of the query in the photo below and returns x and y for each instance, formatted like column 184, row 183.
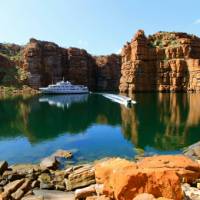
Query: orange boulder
column 146, row 196
column 160, row 176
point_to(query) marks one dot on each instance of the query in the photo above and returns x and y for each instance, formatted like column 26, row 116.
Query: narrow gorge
column 165, row 61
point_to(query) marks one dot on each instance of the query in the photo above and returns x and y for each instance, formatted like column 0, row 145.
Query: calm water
column 94, row 127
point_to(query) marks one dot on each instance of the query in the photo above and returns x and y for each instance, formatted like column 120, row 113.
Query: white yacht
column 64, row 87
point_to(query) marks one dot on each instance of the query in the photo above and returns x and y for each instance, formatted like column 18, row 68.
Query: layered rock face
column 162, row 62
column 108, row 72
column 43, row 61
column 80, row 67
column 165, row 61
column 46, row 62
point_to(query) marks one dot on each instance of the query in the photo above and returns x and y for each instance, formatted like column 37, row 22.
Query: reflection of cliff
column 173, row 115
column 14, row 119
column 194, row 111
column 165, row 121
column 130, row 124
column 40, row 121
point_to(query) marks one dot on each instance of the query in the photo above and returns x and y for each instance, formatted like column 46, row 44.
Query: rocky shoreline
column 157, row 177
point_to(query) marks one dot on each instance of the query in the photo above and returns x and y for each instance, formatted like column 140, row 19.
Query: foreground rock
column 146, row 196
column 80, row 177
column 85, row 192
column 102, row 197
column 92, row 191
column 53, row 194
column 12, row 190
column 49, row 163
column 63, row 154
column 32, row 197
column 3, row 166
column 193, row 151
column 153, row 178
column 160, row 176
column 19, row 181
column 190, row 193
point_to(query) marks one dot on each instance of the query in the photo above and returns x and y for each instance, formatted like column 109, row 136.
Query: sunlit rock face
column 43, row 61
column 160, row 176
column 46, row 62
column 165, row 61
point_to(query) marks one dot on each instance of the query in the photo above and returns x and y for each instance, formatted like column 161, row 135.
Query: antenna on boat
column 63, row 78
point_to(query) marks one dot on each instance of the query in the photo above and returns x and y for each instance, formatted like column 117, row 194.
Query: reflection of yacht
column 64, row 100
column 63, row 87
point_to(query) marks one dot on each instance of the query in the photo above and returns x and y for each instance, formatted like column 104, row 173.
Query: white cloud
column 119, row 51
column 197, row 21
column 82, row 43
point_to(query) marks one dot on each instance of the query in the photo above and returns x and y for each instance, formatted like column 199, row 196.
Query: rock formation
column 40, row 63
column 108, row 72
column 43, row 61
column 160, row 176
column 46, row 62
column 165, row 61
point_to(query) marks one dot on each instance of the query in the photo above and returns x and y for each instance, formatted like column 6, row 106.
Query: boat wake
column 127, row 101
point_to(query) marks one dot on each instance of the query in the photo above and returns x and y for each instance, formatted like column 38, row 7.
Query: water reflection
column 40, row 121
column 64, row 100
column 162, row 122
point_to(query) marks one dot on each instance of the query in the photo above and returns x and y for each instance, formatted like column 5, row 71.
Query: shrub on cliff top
column 14, row 75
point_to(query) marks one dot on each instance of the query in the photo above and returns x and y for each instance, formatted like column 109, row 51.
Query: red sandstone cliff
column 108, row 72
column 165, row 61
column 45, row 62
column 162, row 62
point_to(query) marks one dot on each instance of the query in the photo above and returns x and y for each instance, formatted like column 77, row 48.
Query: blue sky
column 99, row 26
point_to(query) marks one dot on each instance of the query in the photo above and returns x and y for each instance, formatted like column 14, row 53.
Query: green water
column 93, row 127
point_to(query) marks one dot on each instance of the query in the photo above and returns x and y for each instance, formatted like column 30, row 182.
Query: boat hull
column 64, row 92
